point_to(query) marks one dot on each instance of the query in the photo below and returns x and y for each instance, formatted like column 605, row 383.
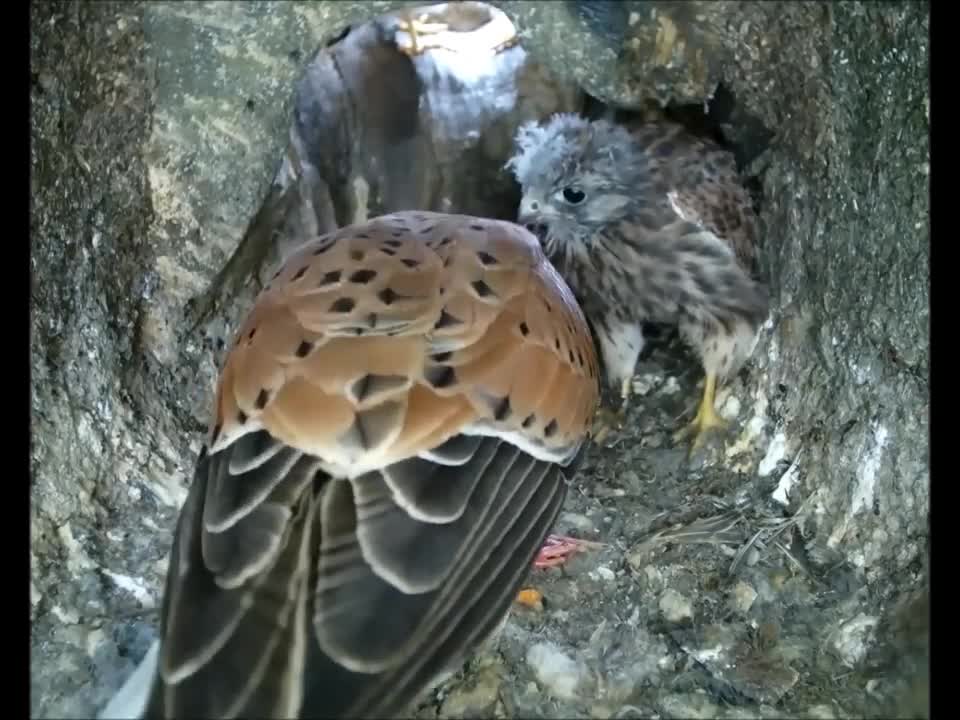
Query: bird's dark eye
column 573, row 195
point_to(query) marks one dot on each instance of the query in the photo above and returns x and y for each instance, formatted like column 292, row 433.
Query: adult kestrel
column 394, row 429
column 648, row 225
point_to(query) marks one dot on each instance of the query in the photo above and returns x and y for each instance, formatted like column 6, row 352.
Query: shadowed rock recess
column 178, row 148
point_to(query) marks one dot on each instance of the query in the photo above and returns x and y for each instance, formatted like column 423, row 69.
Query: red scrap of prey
column 557, row 549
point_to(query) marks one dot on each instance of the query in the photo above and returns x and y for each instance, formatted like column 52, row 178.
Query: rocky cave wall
column 157, row 131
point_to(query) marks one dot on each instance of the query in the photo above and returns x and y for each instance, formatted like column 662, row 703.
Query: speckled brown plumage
column 393, row 432
column 651, row 224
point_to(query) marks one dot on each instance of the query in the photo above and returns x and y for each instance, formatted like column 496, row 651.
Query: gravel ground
column 704, row 600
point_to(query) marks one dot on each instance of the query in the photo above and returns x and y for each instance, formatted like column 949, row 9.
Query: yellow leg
column 706, row 418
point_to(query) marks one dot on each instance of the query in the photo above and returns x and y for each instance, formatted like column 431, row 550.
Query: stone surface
column 162, row 139
column 675, row 607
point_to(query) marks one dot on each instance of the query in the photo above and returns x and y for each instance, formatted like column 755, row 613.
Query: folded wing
column 394, row 429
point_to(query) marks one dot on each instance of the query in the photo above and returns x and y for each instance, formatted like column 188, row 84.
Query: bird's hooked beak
column 531, row 216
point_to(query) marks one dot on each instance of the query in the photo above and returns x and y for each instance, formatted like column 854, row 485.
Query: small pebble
column 851, row 641
column 68, row 617
column 645, row 383
column 603, row 573
column 94, row 640
column 671, row 387
column 555, row 670
column 731, row 408
column 743, row 596
column 576, row 520
column 675, row 607
column 688, row 705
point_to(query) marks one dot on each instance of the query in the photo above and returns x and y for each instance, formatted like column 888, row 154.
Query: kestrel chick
column 393, row 434
column 647, row 225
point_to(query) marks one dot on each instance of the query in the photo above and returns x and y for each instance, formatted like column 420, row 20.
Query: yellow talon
column 706, row 418
column 416, row 27
column 604, row 422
